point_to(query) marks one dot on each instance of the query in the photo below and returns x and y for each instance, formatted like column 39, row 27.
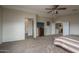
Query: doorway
column 59, row 28
column 40, row 27
column 62, row 28
column 29, row 28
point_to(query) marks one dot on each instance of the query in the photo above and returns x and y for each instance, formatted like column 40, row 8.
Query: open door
column 41, row 31
column 40, row 27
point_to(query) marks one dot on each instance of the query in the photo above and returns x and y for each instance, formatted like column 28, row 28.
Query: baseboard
column 13, row 40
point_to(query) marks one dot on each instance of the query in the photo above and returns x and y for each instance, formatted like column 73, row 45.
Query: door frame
column 64, row 23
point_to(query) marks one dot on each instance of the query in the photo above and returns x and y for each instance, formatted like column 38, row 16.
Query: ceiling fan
column 55, row 9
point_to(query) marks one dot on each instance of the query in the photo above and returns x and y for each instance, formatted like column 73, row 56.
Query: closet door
column 66, row 28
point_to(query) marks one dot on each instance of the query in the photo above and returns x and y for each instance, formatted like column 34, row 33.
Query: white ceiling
column 41, row 8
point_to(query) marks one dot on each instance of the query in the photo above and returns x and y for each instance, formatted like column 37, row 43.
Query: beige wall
column 0, row 25
column 14, row 24
column 73, row 23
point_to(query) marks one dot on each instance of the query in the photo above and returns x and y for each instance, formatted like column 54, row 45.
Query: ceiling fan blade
column 49, row 11
column 61, row 8
column 56, row 6
column 48, row 8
